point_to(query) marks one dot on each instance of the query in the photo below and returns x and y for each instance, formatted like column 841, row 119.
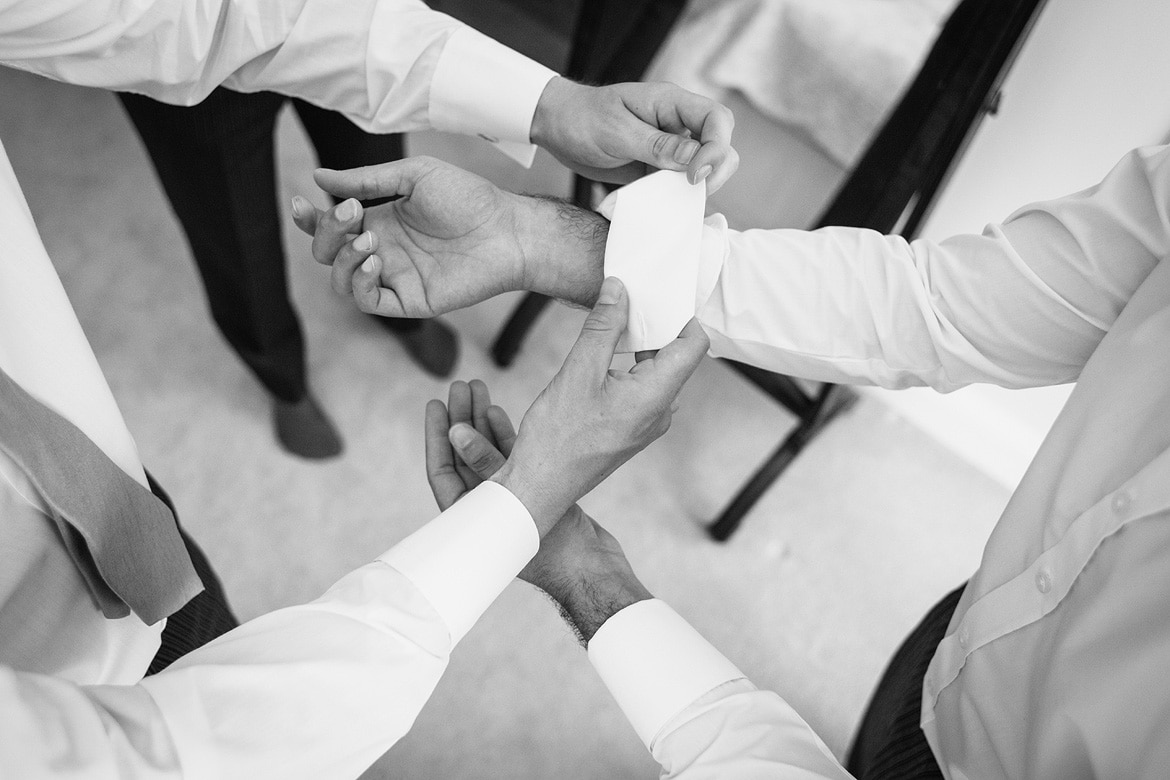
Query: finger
column 592, row 354
column 502, row 429
column 476, row 452
column 708, row 121
column 369, row 294
column 350, row 257
column 679, row 112
column 446, row 484
column 335, row 228
column 387, row 180
column 480, row 401
column 654, row 146
column 459, row 411
column 711, row 123
column 713, row 164
column 674, row 363
column 304, row 214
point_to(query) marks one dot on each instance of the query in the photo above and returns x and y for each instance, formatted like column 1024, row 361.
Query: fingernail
column 364, row 242
column 685, row 151
column 298, row 211
column 368, row 265
column 460, row 435
column 703, row 173
column 611, row 290
column 348, row 210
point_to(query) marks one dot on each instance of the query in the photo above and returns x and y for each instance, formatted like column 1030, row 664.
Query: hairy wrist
column 588, row 599
column 563, row 249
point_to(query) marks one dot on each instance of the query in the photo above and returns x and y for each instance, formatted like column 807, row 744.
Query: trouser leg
column 340, row 144
column 890, row 744
column 216, row 163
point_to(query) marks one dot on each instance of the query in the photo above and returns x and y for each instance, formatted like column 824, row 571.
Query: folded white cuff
column 655, row 664
column 655, row 240
column 481, row 87
column 465, row 557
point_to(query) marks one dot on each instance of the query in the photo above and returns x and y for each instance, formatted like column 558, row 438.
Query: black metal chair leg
column 508, row 343
column 834, row 400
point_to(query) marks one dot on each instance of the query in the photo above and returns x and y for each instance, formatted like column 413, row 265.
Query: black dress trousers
column 217, row 164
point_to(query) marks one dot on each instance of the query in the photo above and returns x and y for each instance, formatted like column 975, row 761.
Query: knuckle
column 596, row 322
column 661, row 144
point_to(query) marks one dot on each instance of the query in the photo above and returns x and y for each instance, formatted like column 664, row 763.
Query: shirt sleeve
column 317, row 690
column 1024, row 304
column 389, row 65
column 696, row 713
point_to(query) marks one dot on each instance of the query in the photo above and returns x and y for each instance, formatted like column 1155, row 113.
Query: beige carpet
column 870, row 526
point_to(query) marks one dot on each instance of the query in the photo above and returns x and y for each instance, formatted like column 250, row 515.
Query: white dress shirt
column 298, row 693
column 1057, row 660
column 323, row 689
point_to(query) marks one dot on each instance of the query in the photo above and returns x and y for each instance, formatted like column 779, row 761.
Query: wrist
column 548, row 108
column 544, row 508
column 593, row 597
column 563, row 249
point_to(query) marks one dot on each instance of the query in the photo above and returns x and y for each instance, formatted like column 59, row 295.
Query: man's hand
column 613, row 133
column 452, row 239
column 580, row 565
column 591, row 419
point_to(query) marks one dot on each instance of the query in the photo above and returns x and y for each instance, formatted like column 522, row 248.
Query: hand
column 591, row 419
column 613, row 133
column 580, row 565
column 451, row 240
column 470, row 425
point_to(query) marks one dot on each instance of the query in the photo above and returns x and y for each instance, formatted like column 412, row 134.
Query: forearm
column 389, row 65
column 738, row 730
column 697, row 714
column 852, row 305
column 1024, row 304
column 338, row 681
column 563, row 249
column 335, row 683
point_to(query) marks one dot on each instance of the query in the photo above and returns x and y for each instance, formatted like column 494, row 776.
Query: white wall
column 1092, row 82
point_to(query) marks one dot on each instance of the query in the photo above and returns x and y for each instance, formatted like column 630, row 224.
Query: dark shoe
column 303, row 429
column 432, row 344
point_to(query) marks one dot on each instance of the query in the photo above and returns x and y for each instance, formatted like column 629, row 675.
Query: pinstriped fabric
column 890, row 744
column 203, row 618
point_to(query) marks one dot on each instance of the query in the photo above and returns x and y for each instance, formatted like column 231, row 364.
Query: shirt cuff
column 654, row 245
column 656, row 665
column 465, row 557
column 481, row 87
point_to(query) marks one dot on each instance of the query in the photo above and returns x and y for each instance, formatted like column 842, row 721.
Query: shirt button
column 964, row 637
column 1044, row 580
column 1121, row 502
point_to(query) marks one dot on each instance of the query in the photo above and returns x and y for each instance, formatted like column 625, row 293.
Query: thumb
column 592, row 354
column 661, row 149
column 475, row 450
column 673, row 365
column 387, row 180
